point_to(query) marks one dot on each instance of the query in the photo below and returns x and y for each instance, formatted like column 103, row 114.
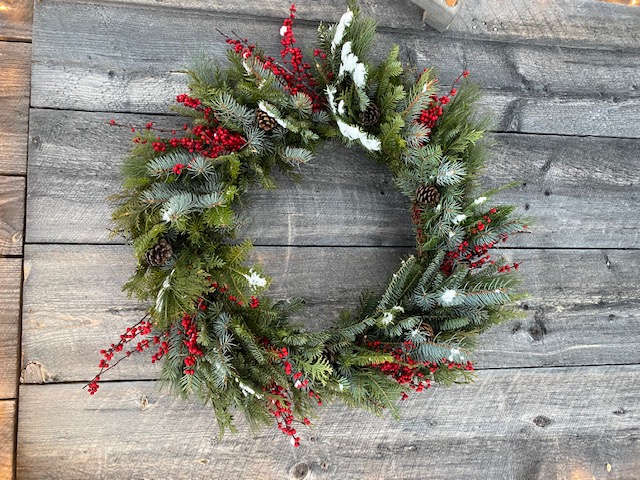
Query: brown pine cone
column 370, row 116
column 427, row 329
column 265, row 122
column 428, row 195
column 160, row 253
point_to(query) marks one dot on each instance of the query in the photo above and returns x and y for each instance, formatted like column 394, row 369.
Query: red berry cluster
column 253, row 303
column 430, row 116
column 242, row 47
column 480, row 226
column 143, row 327
column 476, row 256
column 407, row 371
column 209, row 142
column 404, row 369
column 190, row 332
column 159, row 146
column 280, row 407
column 163, row 349
column 297, row 77
column 507, row 268
column 93, row 387
column 445, row 363
column 300, row 78
column 188, row 101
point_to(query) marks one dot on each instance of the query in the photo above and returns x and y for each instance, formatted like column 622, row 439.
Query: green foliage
column 245, row 347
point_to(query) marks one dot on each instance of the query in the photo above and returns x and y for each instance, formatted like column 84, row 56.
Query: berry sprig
column 473, row 253
column 190, row 333
column 294, row 73
column 210, row 142
column 406, row 370
column 142, row 328
column 136, row 128
column 299, row 77
column 430, row 116
column 281, row 406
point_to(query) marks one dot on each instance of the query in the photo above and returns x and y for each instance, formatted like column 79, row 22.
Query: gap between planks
column 171, row 115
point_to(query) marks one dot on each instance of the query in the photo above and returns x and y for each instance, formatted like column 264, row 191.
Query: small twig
column 112, row 349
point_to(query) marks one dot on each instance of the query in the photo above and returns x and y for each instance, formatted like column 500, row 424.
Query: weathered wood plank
column 582, row 192
column 12, row 191
column 532, row 88
column 525, row 424
column 15, row 20
column 573, row 22
column 10, row 285
column 581, row 311
column 15, row 71
column 7, row 434
column 566, row 22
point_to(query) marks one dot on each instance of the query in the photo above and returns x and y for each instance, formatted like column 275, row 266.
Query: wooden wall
column 557, row 391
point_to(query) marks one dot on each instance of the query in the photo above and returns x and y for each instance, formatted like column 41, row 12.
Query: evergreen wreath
column 219, row 336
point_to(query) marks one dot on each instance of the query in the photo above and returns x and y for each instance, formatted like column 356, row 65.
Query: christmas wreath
column 218, row 335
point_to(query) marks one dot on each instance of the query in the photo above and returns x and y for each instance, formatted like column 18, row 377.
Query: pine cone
column 370, row 116
column 265, row 122
column 160, row 253
column 427, row 329
column 428, row 195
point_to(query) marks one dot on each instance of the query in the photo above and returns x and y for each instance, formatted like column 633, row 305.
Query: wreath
column 219, row 336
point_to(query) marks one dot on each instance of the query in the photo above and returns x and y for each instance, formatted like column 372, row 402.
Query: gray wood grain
column 7, row 434
column 12, row 191
column 15, row 71
column 583, row 308
column 10, row 286
column 562, row 22
column 531, row 87
column 16, row 19
column 523, row 424
column 570, row 22
column 582, row 192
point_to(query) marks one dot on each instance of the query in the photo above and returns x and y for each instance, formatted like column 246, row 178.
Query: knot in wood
column 541, row 421
column 300, row 470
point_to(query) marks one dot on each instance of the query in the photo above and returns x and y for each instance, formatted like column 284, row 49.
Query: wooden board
column 525, row 424
column 10, row 286
column 16, row 19
column 7, row 434
column 582, row 192
column 581, row 311
column 570, row 22
column 15, row 70
column 12, row 190
column 566, row 22
column 531, row 87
